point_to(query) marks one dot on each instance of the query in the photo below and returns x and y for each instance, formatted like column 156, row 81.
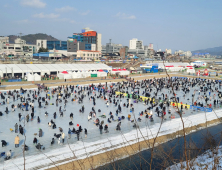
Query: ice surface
column 94, row 143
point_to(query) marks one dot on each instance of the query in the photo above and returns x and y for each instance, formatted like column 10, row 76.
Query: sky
column 168, row 24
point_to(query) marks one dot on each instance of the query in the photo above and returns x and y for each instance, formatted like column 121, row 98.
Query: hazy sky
column 175, row 24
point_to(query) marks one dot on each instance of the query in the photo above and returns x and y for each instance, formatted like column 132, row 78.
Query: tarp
column 64, row 72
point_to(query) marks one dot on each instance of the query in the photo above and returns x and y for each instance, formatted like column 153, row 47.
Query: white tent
column 64, row 75
column 101, row 74
column 120, row 71
column 87, row 74
column 77, row 75
column 29, row 77
column 43, row 69
column 48, row 68
column 37, row 77
column 124, row 73
column 190, row 70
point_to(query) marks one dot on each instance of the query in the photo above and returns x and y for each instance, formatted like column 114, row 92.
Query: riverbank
column 126, row 149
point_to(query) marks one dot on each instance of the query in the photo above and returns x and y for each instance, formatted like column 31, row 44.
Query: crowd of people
column 155, row 95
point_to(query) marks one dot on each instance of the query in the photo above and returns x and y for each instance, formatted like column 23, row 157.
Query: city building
column 112, row 56
column 150, row 46
column 183, row 53
column 57, row 45
column 111, row 47
column 88, row 55
column 51, row 45
column 178, row 52
column 41, row 44
column 187, row 53
column 135, row 44
column 3, row 42
column 19, row 48
column 86, row 40
column 168, row 51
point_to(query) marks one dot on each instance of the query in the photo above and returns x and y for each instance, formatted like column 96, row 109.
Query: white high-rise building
column 41, row 43
column 188, row 53
column 99, row 42
column 135, row 44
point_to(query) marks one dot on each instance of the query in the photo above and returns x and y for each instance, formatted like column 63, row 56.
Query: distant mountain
column 31, row 38
column 212, row 51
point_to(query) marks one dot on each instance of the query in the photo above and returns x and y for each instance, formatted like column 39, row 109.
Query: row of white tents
column 33, row 77
column 42, row 69
column 85, row 74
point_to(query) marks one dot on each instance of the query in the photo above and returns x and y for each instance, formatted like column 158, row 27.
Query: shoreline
column 110, row 156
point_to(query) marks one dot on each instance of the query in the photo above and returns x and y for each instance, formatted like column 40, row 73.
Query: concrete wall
column 72, row 46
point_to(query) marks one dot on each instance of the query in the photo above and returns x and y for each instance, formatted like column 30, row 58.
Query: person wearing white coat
column 151, row 112
column 8, row 155
column 63, row 137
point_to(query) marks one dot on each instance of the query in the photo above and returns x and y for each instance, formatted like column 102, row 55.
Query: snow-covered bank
column 208, row 160
column 82, row 150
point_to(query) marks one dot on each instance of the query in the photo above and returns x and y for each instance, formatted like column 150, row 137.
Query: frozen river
column 8, row 121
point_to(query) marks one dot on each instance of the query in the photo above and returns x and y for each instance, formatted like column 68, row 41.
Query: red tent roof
column 124, row 69
column 170, row 66
column 119, row 69
column 114, row 69
column 64, row 72
column 100, row 70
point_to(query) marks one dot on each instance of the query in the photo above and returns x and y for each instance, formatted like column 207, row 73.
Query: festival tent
column 13, row 68
column 120, row 71
column 42, row 69
column 190, row 70
column 64, row 75
column 77, row 75
column 37, row 77
column 101, row 73
column 31, row 77
column 124, row 72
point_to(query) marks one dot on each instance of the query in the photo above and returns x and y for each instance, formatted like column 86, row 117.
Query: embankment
column 94, row 161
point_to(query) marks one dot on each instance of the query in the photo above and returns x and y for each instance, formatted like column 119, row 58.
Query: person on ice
column 17, row 141
column 8, row 155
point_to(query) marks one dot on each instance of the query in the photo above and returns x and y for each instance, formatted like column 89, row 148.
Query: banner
column 142, row 97
column 204, row 109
